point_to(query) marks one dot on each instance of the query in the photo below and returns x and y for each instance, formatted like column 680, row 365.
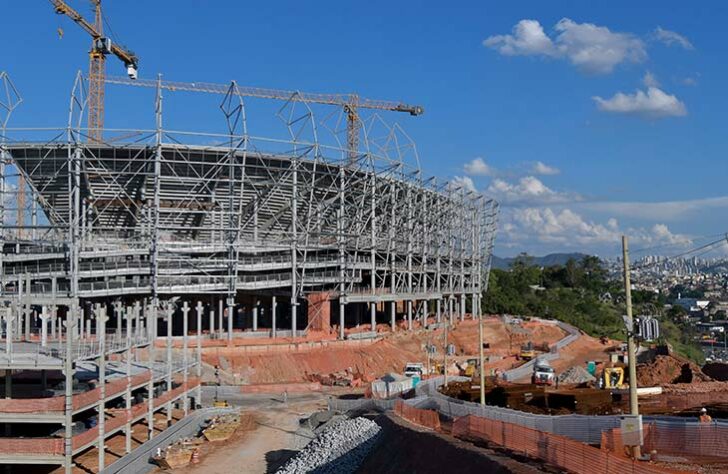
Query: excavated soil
column 669, row 369
column 369, row 361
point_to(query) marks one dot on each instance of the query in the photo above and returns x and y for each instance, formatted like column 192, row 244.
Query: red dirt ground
column 375, row 359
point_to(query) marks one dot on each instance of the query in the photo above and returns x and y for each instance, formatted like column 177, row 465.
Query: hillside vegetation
column 580, row 293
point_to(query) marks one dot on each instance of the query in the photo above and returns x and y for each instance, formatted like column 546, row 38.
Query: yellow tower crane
column 101, row 46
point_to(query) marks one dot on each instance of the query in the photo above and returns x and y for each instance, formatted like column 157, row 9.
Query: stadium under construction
column 137, row 246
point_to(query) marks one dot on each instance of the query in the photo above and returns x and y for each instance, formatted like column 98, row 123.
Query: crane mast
column 96, row 76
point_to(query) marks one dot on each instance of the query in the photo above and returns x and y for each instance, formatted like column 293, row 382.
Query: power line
column 674, row 244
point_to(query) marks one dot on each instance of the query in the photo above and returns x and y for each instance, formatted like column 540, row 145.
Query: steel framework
column 162, row 215
column 144, row 222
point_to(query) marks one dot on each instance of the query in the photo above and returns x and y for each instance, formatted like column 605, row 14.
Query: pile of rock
column 339, row 448
column 576, row 374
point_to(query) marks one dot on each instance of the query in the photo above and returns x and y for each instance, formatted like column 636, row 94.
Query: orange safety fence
column 418, row 416
column 556, row 450
column 694, row 440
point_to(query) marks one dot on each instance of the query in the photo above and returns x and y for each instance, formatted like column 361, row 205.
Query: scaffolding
column 263, row 237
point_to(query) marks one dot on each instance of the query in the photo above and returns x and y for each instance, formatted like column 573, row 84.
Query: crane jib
column 346, row 100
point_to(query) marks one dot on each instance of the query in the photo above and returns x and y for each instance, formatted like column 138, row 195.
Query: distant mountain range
column 545, row 261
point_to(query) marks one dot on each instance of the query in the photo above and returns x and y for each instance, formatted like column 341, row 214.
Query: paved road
column 138, row 460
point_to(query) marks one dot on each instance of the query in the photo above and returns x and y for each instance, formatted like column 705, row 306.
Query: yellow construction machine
column 613, row 377
column 527, row 352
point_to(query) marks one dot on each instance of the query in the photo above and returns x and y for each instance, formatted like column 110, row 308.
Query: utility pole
column 631, row 352
column 481, row 367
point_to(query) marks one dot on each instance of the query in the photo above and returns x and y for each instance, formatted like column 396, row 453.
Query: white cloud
column 528, row 190
column 543, row 169
column 527, row 38
column 671, row 38
column 592, row 49
column 568, row 229
column 478, row 167
column 653, row 104
column 663, row 211
column 649, row 80
column 463, row 182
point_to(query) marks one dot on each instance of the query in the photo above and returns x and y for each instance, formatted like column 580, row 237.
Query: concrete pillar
column 27, row 311
column 450, row 312
column 101, row 318
column 438, row 310
column 10, row 315
column 137, row 319
column 342, row 319
column 273, row 310
column 255, row 316
column 373, row 315
column 294, row 309
column 168, row 356
column 150, row 315
column 185, row 373
column 212, row 322
column 393, row 314
column 230, row 315
column 409, row 314
column 44, row 326
column 220, row 314
column 127, row 398
column 81, row 331
column 462, row 307
column 198, row 398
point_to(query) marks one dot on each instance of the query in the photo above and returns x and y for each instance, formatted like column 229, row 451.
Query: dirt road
column 270, row 440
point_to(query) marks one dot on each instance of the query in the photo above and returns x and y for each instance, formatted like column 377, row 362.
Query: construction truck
column 527, row 351
column 412, row 369
column 543, row 373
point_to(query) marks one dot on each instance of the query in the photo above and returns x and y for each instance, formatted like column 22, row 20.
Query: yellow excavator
column 527, row 351
column 612, row 377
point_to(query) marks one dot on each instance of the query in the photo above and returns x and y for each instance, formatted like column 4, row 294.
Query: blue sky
column 572, row 172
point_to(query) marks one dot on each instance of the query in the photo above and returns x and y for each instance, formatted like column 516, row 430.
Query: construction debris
column 575, row 375
column 339, row 448
column 341, row 378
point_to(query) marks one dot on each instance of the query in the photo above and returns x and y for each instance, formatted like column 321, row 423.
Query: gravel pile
column 339, row 448
column 576, row 374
